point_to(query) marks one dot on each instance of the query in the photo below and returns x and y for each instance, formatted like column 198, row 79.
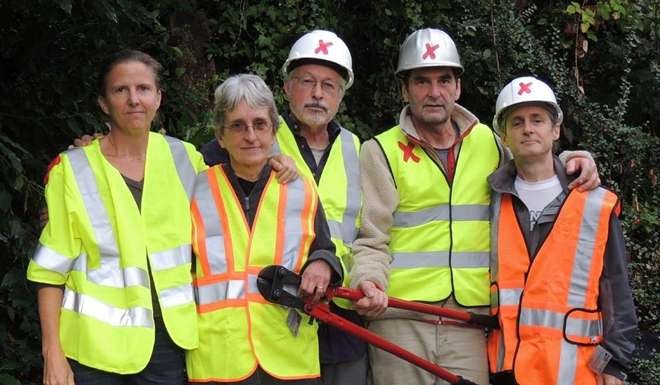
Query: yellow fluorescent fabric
column 239, row 329
column 339, row 189
column 101, row 247
column 440, row 239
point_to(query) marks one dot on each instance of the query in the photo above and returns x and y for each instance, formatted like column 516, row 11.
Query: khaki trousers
column 460, row 350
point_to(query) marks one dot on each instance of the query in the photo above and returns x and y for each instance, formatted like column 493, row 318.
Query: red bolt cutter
column 279, row 285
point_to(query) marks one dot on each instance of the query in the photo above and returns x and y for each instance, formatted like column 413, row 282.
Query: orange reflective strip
column 307, row 218
column 281, row 224
column 199, row 238
column 228, row 276
column 222, row 213
column 220, row 305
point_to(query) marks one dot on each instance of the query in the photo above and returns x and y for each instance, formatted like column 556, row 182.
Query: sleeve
column 196, row 158
column 565, row 156
column 616, row 302
column 323, row 248
column 371, row 253
column 59, row 244
column 213, row 153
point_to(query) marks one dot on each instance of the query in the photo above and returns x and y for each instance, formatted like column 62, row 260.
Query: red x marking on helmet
column 430, row 51
column 323, row 47
column 525, row 87
column 408, row 152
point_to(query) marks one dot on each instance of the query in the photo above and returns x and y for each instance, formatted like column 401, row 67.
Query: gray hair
column 238, row 88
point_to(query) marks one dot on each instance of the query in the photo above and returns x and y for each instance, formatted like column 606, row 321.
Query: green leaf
column 66, row 5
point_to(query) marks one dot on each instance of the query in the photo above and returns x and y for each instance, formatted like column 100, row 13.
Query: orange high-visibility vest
column 238, row 328
column 548, row 309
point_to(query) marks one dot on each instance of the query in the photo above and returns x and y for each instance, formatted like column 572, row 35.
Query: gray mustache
column 316, row 105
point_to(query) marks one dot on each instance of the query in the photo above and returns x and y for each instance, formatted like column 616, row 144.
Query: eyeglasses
column 308, row 83
column 240, row 127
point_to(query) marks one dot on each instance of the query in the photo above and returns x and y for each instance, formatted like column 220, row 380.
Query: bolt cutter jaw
column 279, row 285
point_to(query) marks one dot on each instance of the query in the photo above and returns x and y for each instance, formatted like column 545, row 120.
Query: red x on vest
column 408, row 152
column 525, row 87
column 430, row 51
column 323, row 47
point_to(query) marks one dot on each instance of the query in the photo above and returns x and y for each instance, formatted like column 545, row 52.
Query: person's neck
column 439, row 136
column 127, row 145
column 249, row 173
column 535, row 169
column 317, row 137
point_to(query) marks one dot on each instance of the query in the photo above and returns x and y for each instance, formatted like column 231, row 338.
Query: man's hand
column 85, row 140
column 607, row 379
column 57, row 370
column 315, row 280
column 285, row 167
column 374, row 302
column 588, row 179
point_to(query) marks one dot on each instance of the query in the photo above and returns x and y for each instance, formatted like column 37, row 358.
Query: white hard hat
column 428, row 48
column 325, row 46
column 523, row 90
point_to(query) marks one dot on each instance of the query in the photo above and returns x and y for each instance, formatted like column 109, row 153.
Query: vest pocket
column 583, row 327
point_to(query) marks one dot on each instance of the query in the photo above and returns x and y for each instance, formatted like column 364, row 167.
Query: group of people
column 147, row 267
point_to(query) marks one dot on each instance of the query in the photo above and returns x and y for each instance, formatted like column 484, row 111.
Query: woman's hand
column 57, row 370
column 285, row 167
column 315, row 280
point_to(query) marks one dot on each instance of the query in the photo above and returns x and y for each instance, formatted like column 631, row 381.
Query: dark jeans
column 260, row 377
column 166, row 367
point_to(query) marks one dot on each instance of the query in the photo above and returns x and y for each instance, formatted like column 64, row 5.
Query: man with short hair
column 425, row 226
column 317, row 73
column 558, row 266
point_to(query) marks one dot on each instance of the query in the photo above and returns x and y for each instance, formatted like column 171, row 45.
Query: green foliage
column 600, row 56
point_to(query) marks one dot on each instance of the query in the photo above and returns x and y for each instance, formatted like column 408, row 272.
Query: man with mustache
column 317, row 73
column 425, row 230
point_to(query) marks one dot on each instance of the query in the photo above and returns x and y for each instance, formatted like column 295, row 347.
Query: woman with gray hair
column 244, row 220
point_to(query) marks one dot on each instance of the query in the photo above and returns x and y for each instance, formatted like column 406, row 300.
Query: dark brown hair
column 124, row 56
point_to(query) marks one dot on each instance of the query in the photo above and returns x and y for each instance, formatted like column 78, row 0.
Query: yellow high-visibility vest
column 101, row 247
column 338, row 187
column 239, row 329
column 440, row 239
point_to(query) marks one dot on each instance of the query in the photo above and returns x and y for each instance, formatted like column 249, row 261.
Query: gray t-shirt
column 537, row 195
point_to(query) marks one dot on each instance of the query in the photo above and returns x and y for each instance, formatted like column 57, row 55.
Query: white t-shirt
column 537, row 195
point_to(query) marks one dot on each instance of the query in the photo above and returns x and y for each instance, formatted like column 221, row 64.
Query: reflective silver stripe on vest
column 215, row 240
column 555, row 320
column 585, row 248
column 225, row 290
column 509, row 297
column 184, row 166
column 50, row 259
column 109, row 273
column 577, row 292
column 401, row 260
column 115, row 316
column 293, row 228
column 219, row 291
column 175, row 296
column 171, row 258
column 441, row 213
column 335, row 230
column 353, row 192
column 93, row 203
column 567, row 363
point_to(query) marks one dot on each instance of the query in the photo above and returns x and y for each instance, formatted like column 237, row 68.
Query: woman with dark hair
column 116, row 302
